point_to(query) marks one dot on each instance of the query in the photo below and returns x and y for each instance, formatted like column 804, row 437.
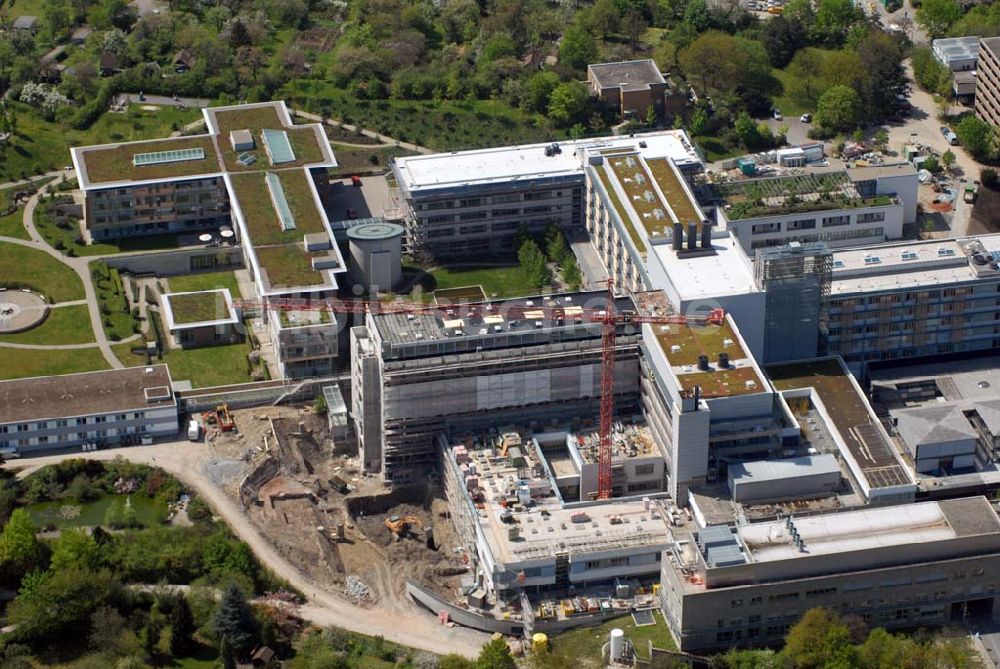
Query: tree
column 697, row 16
column 884, row 79
column 839, row 108
column 881, row 139
column 182, row 627
column 75, row 549
column 975, row 134
column 937, row 16
column 746, row 130
column 782, row 37
column 928, row 71
column 819, row 640
column 234, row 622
column 532, row 260
column 578, row 48
column 495, row 655
column 19, row 549
column 634, row 25
column 568, row 102
column 603, row 18
column 931, row 164
column 699, row 122
column 453, row 661
column 540, row 87
column 948, row 159
column 834, row 19
column 60, row 603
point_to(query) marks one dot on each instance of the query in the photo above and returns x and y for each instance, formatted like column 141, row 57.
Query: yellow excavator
column 400, row 525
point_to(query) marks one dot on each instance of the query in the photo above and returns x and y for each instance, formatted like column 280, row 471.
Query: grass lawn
column 203, row 367
column 12, row 225
column 506, row 281
column 351, row 159
column 207, row 281
column 716, row 150
column 41, row 146
column 15, row 364
column 40, row 271
column 581, row 648
column 116, row 317
column 25, row 8
column 64, row 325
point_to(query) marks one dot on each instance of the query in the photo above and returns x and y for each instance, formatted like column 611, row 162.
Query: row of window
column 810, row 223
column 531, row 196
column 69, row 436
column 66, row 422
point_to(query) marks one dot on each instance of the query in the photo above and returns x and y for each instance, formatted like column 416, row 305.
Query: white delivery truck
column 194, row 430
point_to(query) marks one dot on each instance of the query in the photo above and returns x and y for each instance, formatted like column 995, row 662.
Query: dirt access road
column 399, row 621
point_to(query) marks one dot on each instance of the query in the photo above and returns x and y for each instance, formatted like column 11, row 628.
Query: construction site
column 347, row 532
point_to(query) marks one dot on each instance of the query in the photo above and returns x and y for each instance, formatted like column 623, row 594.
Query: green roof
column 209, row 305
column 112, row 163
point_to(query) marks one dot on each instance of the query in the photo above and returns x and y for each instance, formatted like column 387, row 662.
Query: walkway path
column 405, row 623
column 385, row 139
column 82, row 268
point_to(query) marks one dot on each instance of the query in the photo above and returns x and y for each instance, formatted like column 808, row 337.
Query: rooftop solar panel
column 161, row 157
column 280, row 203
column 278, row 147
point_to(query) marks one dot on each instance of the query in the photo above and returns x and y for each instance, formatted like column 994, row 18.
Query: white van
column 9, row 453
column 194, row 430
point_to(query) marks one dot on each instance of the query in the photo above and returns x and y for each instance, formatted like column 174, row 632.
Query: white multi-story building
column 112, row 407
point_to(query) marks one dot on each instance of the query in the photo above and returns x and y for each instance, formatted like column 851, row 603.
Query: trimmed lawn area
column 12, row 225
column 39, row 270
column 207, row 281
column 505, row 281
column 116, row 316
column 351, row 159
column 203, row 367
column 64, row 325
column 41, row 146
column 581, row 648
column 288, row 265
column 716, row 150
column 17, row 363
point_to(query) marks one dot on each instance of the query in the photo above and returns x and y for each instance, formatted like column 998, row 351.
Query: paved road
column 406, row 624
column 166, row 101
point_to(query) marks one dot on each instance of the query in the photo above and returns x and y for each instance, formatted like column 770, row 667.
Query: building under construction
column 414, row 375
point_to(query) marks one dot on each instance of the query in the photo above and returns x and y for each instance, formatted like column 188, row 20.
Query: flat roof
column 870, row 528
column 522, row 315
column 725, row 271
column 801, row 193
column 69, row 395
column 628, row 442
column 682, row 344
column 991, row 43
column 279, row 260
column 881, row 171
column 631, row 75
column 500, row 165
column 929, row 263
column 956, row 48
column 864, row 436
column 547, row 527
column 198, row 309
column 784, row 468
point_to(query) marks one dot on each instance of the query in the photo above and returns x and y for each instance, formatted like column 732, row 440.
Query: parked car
column 949, row 135
column 777, row 115
column 806, row 118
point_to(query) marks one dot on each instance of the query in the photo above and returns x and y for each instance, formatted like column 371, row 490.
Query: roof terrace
column 112, row 163
column 775, row 196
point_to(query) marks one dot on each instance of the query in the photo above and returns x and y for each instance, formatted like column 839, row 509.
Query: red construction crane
column 609, row 317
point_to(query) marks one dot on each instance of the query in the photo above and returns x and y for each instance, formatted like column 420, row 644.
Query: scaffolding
column 796, row 282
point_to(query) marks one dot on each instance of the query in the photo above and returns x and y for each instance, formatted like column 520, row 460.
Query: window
column 783, row 597
column 832, row 221
column 81, row 421
column 764, row 228
column 439, row 219
column 644, row 470
column 804, row 224
column 472, row 216
column 471, row 202
column 22, row 427
column 871, row 217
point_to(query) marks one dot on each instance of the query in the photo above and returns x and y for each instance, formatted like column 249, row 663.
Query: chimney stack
column 678, row 237
column 724, row 360
column 703, row 363
column 706, row 234
column 692, row 236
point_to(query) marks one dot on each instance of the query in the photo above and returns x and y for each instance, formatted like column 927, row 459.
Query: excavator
column 400, row 525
